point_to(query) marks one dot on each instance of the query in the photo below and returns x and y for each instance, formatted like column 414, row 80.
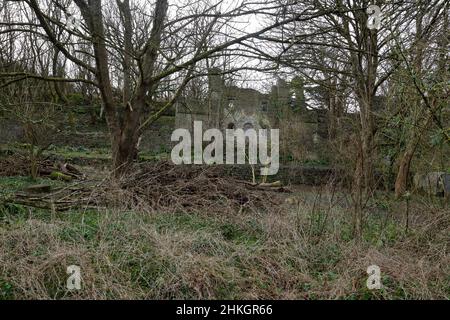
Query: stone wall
column 288, row 174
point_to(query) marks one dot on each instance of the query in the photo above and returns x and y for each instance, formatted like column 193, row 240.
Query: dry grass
column 301, row 249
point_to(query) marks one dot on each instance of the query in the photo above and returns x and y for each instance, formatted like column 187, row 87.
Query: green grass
column 80, row 152
column 6, row 290
column 294, row 253
column 73, row 153
column 188, row 223
column 9, row 185
column 248, row 234
column 79, row 226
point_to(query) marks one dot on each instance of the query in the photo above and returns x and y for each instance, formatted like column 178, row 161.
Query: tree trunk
column 58, row 70
column 92, row 14
column 358, row 187
column 401, row 183
column 367, row 143
column 128, row 138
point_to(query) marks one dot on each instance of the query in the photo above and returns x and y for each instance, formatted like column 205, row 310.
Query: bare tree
column 338, row 51
column 117, row 39
column 427, row 96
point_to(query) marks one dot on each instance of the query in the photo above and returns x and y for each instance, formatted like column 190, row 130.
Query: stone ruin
column 233, row 107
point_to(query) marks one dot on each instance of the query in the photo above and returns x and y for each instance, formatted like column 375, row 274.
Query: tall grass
column 300, row 250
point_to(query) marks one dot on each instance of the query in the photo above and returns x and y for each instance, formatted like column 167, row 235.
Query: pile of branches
column 13, row 165
column 165, row 187
column 162, row 187
column 74, row 196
